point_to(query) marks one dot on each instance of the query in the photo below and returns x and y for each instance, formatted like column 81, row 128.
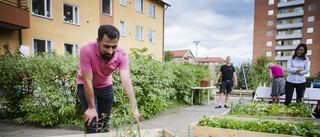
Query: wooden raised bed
column 202, row 131
column 297, row 119
column 143, row 133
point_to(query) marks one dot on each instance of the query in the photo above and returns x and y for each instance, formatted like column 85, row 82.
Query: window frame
column 45, row 10
column 124, row 28
column 140, row 7
column 270, row 12
column 309, row 52
column 312, row 5
column 110, row 6
column 74, row 14
column 269, row 44
column 309, row 41
column 269, row 54
column 268, row 32
column 153, row 14
column 270, row 24
column 122, row 3
column 153, row 35
column 46, row 45
column 141, row 32
column 271, row 2
column 310, row 30
column 75, row 48
column 309, row 18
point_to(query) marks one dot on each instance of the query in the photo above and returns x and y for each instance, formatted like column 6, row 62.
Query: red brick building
column 280, row 25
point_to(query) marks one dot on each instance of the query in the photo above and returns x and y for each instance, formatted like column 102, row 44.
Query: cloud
column 219, row 34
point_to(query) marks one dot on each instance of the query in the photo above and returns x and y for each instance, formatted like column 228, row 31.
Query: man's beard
column 106, row 56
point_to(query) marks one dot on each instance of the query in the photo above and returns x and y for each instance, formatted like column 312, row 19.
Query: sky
column 223, row 27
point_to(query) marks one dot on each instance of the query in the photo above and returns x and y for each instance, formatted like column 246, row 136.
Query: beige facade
column 131, row 18
column 184, row 56
column 66, row 25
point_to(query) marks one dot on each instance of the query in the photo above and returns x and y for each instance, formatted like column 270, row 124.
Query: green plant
column 306, row 128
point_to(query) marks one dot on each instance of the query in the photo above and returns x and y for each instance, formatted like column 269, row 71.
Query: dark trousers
column 300, row 88
column 103, row 98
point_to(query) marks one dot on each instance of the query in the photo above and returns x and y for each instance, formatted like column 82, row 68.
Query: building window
column 72, row 49
column 310, row 30
column 280, row 63
column 309, row 52
column 296, row 42
column 139, row 5
column 268, row 54
column 297, row 20
column 309, row 41
column 152, row 10
column 152, row 57
column 298, row 9
column 270, row 12
column 41, row 45
column 70, row 14
column 281, row 43
column 176, row 59
column 269, row 43
column 123, row 2
column 139, row 32
column 270, row 23
column 271, row 2
column 311, row 19
column 269, row 33
column 282, row 11
column 312, row 7
column 107, row 7
column 151, row 36
column 42, row 8
column 297, row 31
column 122, row 28
column 280, row 53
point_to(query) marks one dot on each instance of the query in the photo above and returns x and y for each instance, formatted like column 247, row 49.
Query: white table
column 310, row 94
column 208, row 91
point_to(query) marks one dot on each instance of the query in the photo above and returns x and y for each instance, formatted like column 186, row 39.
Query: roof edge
column 164, row 3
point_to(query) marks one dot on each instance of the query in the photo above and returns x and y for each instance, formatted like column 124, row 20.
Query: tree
column 168, row 56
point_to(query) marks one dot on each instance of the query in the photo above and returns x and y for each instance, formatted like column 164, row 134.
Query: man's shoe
column 219, row 106
column 225, row 106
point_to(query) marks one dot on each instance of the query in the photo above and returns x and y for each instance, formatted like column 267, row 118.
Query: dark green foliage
column 43, row 88
column 306, row 128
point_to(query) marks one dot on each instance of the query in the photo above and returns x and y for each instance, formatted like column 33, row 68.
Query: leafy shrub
column 306, row 128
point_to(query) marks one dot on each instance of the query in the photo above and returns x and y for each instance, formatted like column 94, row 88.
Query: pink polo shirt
column 276, row 71
column 90, row 61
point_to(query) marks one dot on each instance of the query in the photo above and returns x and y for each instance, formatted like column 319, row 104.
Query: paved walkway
column 175, row 120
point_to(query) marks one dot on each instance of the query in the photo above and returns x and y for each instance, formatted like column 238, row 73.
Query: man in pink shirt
column 97, row 62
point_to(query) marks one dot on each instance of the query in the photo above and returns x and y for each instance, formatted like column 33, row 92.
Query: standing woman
column 278, row 84
column 297, row 66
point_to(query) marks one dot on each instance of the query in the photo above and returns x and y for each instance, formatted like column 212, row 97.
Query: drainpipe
column 163, row 59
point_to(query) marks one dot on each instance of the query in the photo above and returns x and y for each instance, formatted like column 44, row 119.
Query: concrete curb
column 66, row 127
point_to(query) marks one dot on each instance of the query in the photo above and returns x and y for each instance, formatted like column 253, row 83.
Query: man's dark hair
column 111, row 32
column 304, row 52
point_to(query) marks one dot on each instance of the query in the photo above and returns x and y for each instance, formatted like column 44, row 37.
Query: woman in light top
column 278, row 84
column 297, row 66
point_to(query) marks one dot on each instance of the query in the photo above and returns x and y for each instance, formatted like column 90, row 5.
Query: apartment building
column 35, row 26
column 211, row 62
column 280, row 25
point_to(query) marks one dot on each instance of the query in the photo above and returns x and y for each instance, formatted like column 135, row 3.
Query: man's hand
column 136, row 116
column 235, row 84
column 89, row 114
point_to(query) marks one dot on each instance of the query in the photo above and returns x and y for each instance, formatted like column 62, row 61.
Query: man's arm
column 91, row 112
column 128, row 88
column 235, row 79
column 217, row 78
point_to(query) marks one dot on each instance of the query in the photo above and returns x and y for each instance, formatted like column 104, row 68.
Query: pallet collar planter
column 143, row 133
column 202, row 131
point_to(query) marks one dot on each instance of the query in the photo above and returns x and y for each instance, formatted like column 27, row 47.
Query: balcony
column 290, row 3
column 291, row 14
column 287, row 47
column 14, row 16
column 281, row 58
column 290, row 26
column 290, row 36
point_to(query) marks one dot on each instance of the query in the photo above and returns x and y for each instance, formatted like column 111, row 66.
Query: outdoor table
column 207, row 88
column 311, row 95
